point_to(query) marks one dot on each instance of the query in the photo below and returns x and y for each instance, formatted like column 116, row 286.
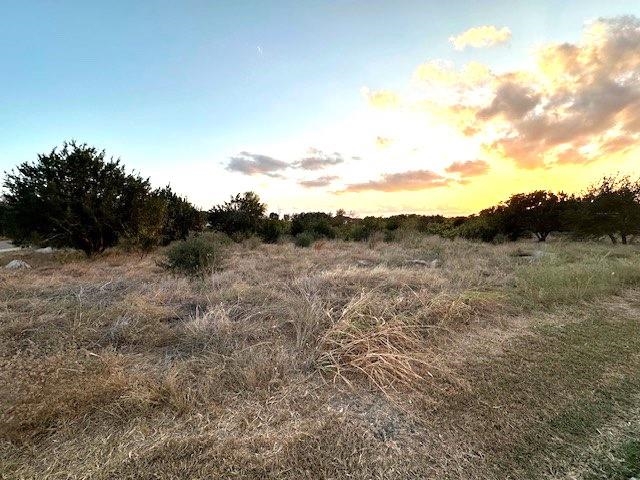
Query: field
column 343, row 360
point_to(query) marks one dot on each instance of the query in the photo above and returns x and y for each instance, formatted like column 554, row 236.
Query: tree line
column 77, row 197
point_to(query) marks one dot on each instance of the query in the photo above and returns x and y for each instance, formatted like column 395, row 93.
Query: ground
column 344, row 360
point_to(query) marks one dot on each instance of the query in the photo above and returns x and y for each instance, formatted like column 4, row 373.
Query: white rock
column 17, row 264
column 435, row 263
column 44, row 250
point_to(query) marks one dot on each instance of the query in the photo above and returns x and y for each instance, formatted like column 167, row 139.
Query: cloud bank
column 579, row 102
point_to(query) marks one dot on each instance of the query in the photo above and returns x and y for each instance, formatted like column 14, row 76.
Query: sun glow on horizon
column 456, row 140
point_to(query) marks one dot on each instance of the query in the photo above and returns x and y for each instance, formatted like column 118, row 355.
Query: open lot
column 344, row 360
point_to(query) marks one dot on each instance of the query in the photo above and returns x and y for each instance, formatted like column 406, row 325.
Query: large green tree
column 610, row 207
column 74, row 197
column 538, row 212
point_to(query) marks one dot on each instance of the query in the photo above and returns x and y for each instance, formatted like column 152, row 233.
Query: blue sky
column 176, row 88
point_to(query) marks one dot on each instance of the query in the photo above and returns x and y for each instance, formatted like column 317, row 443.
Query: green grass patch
column 536, row 405
column 557, row 280
column 620, row 463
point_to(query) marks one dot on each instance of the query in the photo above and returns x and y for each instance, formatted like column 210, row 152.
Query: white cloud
column 481, row 37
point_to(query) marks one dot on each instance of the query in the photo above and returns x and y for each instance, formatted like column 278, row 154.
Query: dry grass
column 344, row 360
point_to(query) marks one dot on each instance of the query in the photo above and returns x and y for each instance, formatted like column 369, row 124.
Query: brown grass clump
column 376, row 341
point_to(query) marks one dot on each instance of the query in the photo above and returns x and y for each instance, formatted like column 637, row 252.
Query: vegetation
column 304, row 239
column 75, row 197
column 349, row 361
column 194, row 256
column 408, row 346
column 240, row 217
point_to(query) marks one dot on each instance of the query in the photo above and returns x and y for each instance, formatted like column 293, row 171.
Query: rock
column 435, row 263
column 44, row 250
column 364, row 263
column 422, row 263
column 17, row 264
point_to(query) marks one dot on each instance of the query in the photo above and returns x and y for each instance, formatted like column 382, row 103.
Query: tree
column 317, row 224
column 485, row 226
column 74, row 197
column 181, row 216
column 241, row 215
column 610, row 208
column 537, row 212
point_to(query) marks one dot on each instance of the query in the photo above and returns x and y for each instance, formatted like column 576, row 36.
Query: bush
column 271, row 230
column 218, row 238
column 304, row 239
column 193, row 256
column 316, row 223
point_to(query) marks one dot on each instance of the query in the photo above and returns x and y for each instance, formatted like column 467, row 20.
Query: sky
column 375, row 107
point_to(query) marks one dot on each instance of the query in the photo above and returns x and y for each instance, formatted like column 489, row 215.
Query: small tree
column 181, row 217
column 74, row 197
column 241, row 215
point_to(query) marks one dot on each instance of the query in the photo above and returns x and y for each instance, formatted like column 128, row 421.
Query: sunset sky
column 377, row 107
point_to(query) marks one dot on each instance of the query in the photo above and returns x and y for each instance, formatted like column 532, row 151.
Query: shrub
column 271, row 229
column 252, row 242
column 316, row 223
column 193, row 256
column 218, row 238
column 304, row 239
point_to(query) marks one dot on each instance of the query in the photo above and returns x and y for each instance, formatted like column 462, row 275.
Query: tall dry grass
column 271, row 367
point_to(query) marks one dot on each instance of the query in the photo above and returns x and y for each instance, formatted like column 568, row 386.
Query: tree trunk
column 624, row 238
column 613, row 238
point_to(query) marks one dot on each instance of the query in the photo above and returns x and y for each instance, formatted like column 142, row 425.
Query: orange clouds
column 472, row 168
column 394, row 182
column 579, row 103
column 584, row 101
column 383, row 142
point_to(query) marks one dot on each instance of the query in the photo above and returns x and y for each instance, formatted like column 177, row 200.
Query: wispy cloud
column 318, row 160
column 381, row 98
column 394, row 182
column 481, row 37
column 471, row 168
column 318, row 182
column 383, row 142
column 256, row 164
